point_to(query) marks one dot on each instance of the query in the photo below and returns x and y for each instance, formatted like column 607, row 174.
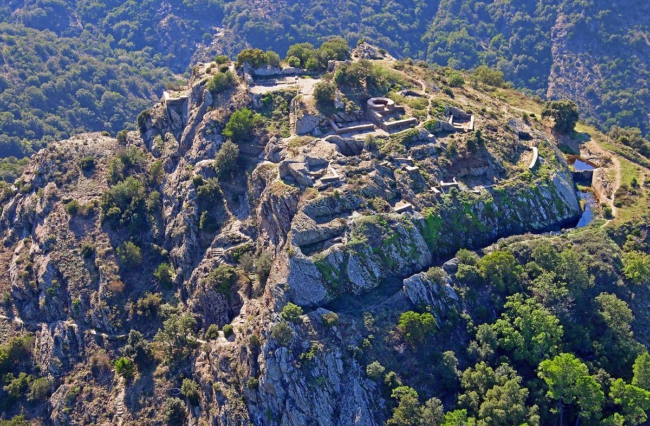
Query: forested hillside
column 91, row 65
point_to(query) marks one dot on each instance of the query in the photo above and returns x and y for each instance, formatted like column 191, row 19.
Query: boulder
column 308, row 123
column 451, row 266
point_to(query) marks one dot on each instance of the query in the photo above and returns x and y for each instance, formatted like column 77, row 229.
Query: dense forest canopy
column 88, row 65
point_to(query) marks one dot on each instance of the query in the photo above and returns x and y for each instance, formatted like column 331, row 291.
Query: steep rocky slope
column 76, row 281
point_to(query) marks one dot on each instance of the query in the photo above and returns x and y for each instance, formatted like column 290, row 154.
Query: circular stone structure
column 381, row 104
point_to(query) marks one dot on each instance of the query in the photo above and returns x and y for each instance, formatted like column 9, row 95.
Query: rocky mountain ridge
column 73, row 281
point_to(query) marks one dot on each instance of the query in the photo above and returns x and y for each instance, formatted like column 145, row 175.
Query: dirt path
column 617, row 180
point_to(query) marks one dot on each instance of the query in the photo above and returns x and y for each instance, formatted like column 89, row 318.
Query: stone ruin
column 381, row 109
column 460, row 120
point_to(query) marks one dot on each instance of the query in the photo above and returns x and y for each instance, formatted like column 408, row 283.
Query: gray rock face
column 60, row 346
column 306, row 124
column 342, row 399
column 422, row 292
column 267, row 71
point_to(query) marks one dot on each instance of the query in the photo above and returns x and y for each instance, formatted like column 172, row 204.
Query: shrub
column 225, row 162
column 149, row 304
column 467, row 257
column 72, row 208
column 222, row 279
column 212, row 332
column 264, row 264
column 293, row 61
column 274, row 58
column 254, row 341
column 143, row 117
column 100, row 362
column 375, row 370
column 221, row 59
column 228, row 331
column 174, row 412
column 456, row 79
column 164, row 274
column 256, row 58
column 190, row 389
column 292, row 313
column 87, row 250
column 252, row 383
column 416, row 327
column 325, row 93
column 282, row 333
column 87, row 163
column 221, row 82
column 241, row 125
column 330, row 319
column 125, row 368
column 564, row 114
column 488, row 76
column 39, row 389
column 121, row 137
column 130, row 255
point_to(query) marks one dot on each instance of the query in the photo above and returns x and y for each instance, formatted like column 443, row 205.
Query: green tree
column 256, row 58
column 408, row 411
column 636, row 267
column 642, row 371
column 302, row 51
column 528, row 330
column 225, row 162
column 505, row 404
column 458, row 418
column 488, row 76
column 635, row 401
column 190, row 390
column 125, row 368
column 569, row 383
column 130, row 255
column 433, row 413
column 176, row 337
column 375, row 370
column 164, row 275
column 455, row 79
column 616, row 314
column 501, row 270
column 174, row 412
column 564, row 114
column 222, row 279
column 241, row 125
column 292, row 313
column 212, row 332
column 39, row 389
column 416, row 327
column 221, row 82
column 228, row 330
column 282, row 333
column 325, row 94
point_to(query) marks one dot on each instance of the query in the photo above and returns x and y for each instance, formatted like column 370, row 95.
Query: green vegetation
column 228, row 331
column 125, row 367
column 564, row 115
column 221, row 82
column 225, row 161
column 241, row 126
column 291, row 313
column 282, row 333
column 174, row 412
